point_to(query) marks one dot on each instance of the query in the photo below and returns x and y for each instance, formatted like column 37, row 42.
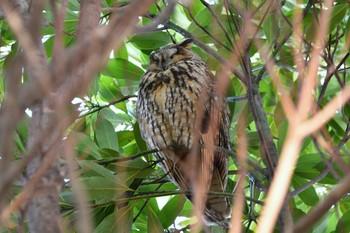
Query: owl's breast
column 169, row 108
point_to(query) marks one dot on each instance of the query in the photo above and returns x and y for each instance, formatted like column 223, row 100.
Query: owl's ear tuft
column 187, row 43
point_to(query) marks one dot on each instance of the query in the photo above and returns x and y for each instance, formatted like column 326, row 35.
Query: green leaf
column 153, row 223
column 217, row 229
column 21, row 136
column 328, row 224
column 282, row 132
column 139, row 140
column 130, row 170
column 90, row 168
column 309, row 173
column 85, row 145
column 270, row 27
column 297, row 213
column 125, row 137
column 338, row 14
column 103, row 190
column 107, row 153
column 253, row 138
column 306, row 143
column 119, row 221
column 122, row 52
column 153, row 204
column 150, row 41
column 195, row 7
column 338, row 125
column 100, row 213
column 204, row 18
column 106, row 136
column 347, row 30
column 120, row 68
column 343, row 223
column 310, row 24
column 307, row 161
column 171, row 210
column 73, row 5
column 94, row 87
column 131, row 165
column 114, row 118
column 127, row 86
column 108, row 88
column 309, row 195
column 49, row 45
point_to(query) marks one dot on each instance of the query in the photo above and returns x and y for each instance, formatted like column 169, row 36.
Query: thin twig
column 99, row 108
column 217, row 19
column 128, row 158
column 206, row 31
column 231, row 99
column 295, row 135
column 160, row 19
column 239, row 201
column 308, row 184
column 325, row 160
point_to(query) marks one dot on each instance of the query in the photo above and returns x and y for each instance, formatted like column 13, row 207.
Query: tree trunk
column 44, row 180
column 43, row 212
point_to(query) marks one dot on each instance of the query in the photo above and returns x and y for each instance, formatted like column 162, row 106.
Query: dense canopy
column 71, row 155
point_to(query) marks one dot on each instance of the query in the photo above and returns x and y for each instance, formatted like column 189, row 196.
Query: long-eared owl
column 180, row 114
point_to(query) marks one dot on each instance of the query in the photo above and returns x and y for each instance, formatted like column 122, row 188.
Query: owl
column 180, row 115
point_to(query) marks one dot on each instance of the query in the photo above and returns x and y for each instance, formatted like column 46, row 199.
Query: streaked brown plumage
column 179, row 114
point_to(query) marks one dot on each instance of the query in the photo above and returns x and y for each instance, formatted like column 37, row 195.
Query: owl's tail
column 217, row 208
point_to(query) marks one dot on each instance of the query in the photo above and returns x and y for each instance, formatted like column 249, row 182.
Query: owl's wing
column 176, row 171
column 218, row 207
column 216, row 135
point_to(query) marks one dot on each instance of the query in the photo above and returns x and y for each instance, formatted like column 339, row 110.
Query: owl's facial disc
column 168, row 56
column 161, row 60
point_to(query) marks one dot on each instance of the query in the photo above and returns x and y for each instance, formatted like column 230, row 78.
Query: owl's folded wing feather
column 217, row 207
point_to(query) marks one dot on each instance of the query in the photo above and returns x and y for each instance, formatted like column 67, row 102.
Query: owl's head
column 171, row 54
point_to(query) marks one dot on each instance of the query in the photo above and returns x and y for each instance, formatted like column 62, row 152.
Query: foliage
column 126, row 191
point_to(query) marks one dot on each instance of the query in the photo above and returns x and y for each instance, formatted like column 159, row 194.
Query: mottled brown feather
column 180, row 114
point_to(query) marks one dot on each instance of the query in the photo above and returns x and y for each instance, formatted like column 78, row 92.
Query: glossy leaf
column 343, row 223
column 153, row 223
column 309, row 195
column 124, row 186
column 150, row 41
column 106, row 135
column 85, row 145
column 119, row 221
column 338, row 14
column 171, row 210
column 120, row 68
column 103, row 190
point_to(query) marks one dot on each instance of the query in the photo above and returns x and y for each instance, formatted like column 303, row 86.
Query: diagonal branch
column 286, row 165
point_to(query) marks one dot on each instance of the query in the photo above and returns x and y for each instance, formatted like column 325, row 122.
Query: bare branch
column 306, row 95
column 239, row 201
column 161, row 19
column 99, row 108
column 325, row 114
column 289, row 155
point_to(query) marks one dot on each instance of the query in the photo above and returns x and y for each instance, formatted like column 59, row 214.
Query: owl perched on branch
column 180, row 114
